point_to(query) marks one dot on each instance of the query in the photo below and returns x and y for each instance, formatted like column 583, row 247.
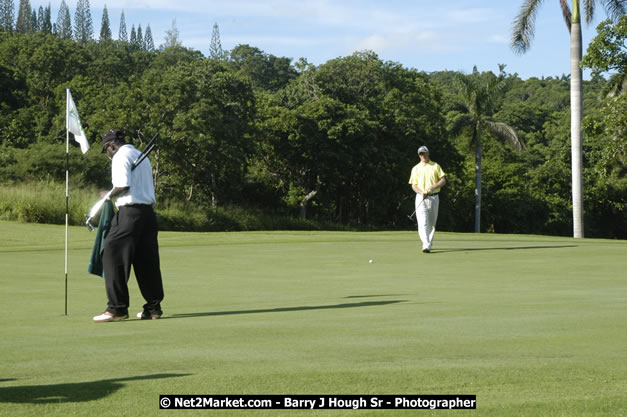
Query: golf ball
column 371, row 261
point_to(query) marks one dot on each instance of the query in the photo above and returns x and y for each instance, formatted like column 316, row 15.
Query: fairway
column 531, row 325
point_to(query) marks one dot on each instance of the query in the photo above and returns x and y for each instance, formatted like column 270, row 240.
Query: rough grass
column 531, row 325
column 45, row 202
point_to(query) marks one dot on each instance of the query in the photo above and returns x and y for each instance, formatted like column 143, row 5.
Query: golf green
column 531, row 325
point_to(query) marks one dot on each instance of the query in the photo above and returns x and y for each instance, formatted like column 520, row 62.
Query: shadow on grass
column 71, row 393
column 284, row 309
column 7, row 379
column 502, row 248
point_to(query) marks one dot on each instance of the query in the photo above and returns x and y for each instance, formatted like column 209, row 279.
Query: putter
column 98, row 206
column 412, row 215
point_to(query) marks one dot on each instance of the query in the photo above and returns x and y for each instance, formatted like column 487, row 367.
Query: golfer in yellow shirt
column 427, row 178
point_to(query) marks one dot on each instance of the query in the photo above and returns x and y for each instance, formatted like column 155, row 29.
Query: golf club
column 95, row 210
column 98, row 206
column 149, row 147
column 414, row 212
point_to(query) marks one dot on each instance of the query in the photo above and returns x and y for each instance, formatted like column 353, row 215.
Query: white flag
column 74, row 123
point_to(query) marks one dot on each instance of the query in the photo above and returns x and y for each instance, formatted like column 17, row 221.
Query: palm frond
column 468, row 89
column 464, row 83
column 566, row 13
column 504, row 132
column 495, row 86
column 616, row 85
column 588, row 8
column 524, row 26
column 459, row 123
column 492, row 93
column 615, row 9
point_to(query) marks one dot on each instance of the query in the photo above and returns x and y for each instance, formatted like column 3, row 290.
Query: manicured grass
column 534, row 326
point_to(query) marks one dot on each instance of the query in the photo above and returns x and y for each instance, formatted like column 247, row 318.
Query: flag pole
column 71, row 125
column 67, row 182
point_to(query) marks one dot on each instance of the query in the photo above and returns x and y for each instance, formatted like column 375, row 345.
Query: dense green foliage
column 332, row 143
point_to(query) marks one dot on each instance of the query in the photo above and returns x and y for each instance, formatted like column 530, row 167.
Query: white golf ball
column 371, row 261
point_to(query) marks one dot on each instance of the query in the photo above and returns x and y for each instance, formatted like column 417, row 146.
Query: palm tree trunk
column 477, row 183
column 576, row 113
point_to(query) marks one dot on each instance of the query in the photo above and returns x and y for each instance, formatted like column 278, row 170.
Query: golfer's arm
column 416, row 189
column 116, row 191
column 438, row 184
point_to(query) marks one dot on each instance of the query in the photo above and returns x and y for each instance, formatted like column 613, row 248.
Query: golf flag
column 74, row 123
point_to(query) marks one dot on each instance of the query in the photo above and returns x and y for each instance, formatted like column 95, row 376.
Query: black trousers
column 132, row 241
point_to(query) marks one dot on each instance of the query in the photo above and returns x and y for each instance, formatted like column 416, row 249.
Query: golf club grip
column 142, row 156
column 151, row 145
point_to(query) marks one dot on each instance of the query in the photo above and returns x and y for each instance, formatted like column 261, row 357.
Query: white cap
column 423, row 149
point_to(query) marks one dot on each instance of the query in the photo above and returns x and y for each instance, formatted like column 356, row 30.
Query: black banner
column 318, row 402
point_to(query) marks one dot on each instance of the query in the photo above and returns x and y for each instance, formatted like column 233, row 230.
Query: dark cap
column 111, row 135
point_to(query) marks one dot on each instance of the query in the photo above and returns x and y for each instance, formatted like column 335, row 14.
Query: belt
column 137, row 205
column 433, row 194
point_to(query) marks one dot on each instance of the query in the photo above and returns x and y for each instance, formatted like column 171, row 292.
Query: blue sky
column 425, row 35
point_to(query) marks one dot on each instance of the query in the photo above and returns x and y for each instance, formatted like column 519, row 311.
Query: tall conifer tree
column 47, row 21
column 7, row 15
column 24, row 17
column 83, row 25
column 172, row 36
column 133, row 38
column 215, row 49
column 148, row 41
column 140, row 38
column 122, row 35
column 34, row 26
column 64, row 22
column 105, row 28
column 40, row 19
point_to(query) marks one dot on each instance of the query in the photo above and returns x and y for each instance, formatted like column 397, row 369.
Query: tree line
column 29, row 20
column 337, row 141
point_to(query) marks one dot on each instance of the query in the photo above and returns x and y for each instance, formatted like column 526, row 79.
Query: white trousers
column 427, row 216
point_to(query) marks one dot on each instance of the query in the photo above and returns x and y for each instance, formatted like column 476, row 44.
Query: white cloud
column 373, row 42
column 397, row 41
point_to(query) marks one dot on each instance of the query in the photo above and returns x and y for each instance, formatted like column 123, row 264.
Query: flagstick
column 67, row 183
column 80, row 136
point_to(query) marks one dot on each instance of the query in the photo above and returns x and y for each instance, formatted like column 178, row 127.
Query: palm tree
column 524, row 26
column 479, row 104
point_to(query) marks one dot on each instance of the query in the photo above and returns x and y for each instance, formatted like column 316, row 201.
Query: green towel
column 95, row 262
